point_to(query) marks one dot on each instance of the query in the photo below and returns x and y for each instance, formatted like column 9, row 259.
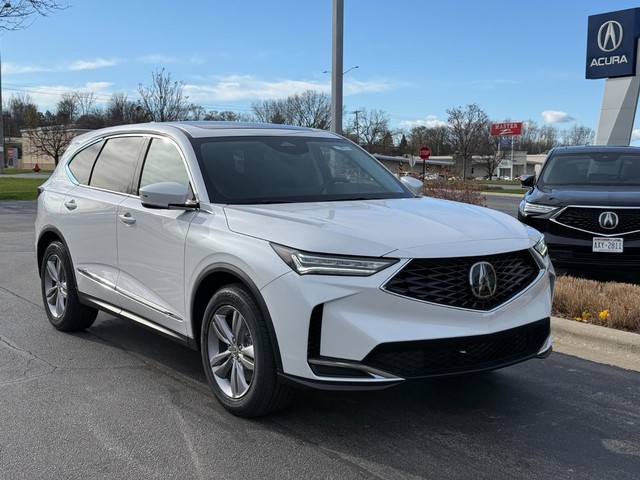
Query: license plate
column 604, row 244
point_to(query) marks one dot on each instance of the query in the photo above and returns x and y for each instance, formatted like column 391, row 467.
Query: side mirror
column 165, row 195
column 527, row 181
column 414, row 185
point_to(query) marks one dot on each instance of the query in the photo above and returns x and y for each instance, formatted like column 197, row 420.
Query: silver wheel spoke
column 246, row 361
column 221, row 328
column 60, row 273
column 223, row 370
column 237, row 324
column 52, row 269
column 247, row 357
column 238, row 383
column 60, row 302
column 219, row 358
column 51, row 294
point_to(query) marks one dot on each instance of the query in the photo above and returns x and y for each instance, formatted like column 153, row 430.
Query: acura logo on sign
column 482, row 280
column 608, row 220
column 610, row 36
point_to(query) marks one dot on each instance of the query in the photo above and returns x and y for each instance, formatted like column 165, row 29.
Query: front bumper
column 347, row 332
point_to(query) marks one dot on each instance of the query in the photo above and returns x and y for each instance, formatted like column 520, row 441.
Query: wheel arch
column 210, row 281
column 48, row 236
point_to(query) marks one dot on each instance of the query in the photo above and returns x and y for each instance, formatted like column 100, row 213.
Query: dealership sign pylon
column 612, row 53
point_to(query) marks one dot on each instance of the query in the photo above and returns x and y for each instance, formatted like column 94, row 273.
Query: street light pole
column 336, row 66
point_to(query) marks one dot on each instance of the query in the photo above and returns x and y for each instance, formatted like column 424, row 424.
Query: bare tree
column 120, row 110
column 22, row 112
column 271, row 111
column 578, row 135
column 469, row 126
column 373, row 126
column 67, row 108
column 306, row 109
column 548, row 138
column 164, row 100
column 49, row 140
column 436, row 138
column 310, row 109
column 490, row 154
column 18, row 14
column 227, row 116
column 84, row 102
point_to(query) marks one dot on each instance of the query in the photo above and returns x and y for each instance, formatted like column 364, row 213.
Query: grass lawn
column 15, row 171
column 19, row 188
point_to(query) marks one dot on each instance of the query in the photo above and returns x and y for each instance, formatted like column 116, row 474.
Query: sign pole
column 424, row 153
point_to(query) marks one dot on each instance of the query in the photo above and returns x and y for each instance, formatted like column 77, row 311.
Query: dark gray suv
column 586, row 201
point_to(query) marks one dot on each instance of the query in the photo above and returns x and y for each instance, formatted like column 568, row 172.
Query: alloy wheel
column 231, row 352
column 55, row 286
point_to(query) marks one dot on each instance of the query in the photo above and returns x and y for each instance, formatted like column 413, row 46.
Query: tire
column 59, row 293
column 238, row 357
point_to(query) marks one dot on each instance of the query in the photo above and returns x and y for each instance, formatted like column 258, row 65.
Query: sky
column 415, row 58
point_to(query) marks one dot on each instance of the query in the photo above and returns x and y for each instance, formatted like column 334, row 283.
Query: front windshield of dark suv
column 285, row 169
column 603, row 169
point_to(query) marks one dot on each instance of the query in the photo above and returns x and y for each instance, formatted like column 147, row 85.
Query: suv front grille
column 448, row 356
column 587, row 219
column 445, row 281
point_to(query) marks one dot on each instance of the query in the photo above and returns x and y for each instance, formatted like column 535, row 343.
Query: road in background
column 118, row 401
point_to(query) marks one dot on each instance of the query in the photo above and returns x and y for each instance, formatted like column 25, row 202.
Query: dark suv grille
column 445, row 281
column 448, row 356
column 587, row 219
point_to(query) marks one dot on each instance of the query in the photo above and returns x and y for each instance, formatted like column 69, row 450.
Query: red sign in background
column 424, row 152
column 506, row 129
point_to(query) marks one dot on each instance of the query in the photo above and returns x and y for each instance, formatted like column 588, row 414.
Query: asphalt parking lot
column 120, row 402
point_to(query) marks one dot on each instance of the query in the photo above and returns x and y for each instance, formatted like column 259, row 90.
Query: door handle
column 127, row 218
column 71, row 205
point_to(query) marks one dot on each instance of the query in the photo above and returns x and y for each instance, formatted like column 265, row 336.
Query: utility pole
column 336, row 67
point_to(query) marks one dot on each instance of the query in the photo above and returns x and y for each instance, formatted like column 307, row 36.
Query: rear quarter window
column 82, row 163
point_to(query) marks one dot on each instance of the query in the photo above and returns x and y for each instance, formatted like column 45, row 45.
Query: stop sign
column 424, row 152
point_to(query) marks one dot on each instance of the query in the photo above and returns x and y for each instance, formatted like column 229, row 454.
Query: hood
column 618, row 195
column 405, row 228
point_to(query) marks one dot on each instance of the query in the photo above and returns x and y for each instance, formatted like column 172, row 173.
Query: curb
column 596, row 343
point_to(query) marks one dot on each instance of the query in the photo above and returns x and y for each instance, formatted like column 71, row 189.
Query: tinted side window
column 82, row 163
column 116, row 164
column 163, row 164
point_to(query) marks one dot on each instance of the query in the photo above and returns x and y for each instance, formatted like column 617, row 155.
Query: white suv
column 287, row 256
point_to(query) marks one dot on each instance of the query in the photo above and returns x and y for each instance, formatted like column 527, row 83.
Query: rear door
column 88, row 215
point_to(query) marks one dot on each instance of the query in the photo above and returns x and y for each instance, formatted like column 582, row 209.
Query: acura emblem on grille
column 608, row 220
column 482, row 280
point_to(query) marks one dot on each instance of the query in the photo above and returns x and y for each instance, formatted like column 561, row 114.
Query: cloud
column 248, row 87
column 46, row 97
column 79, row 65
column 156, row 58
column 430, row 122
column 556, row 116
column 91, row 64
column 9, row 68
column 635, row 137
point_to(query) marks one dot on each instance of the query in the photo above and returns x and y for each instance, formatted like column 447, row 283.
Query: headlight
column 541, row 247
column 527, row 208
column 306, row 263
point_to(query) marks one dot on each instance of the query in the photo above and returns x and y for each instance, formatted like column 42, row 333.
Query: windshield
column 592, row 169
column 249, row 170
